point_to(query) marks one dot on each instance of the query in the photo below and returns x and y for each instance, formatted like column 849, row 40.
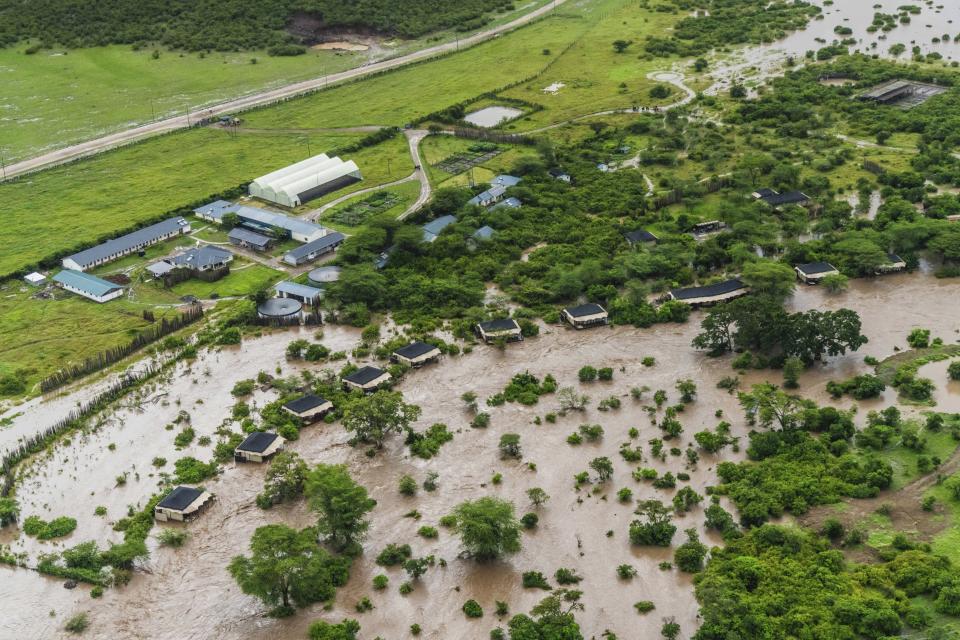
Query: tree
column 813, row 334
column 621, row 45
column 416, row 567
column 919, row 338
column 792, row 368
column 346, row 630
column 835, row 282
column 690, row 555
column 570, row 400
column 653, row 527
column 716, row 335
column 373, row 417
column 766, row 404
column 340, row 503
column 687, row 389
column 288, row 569
column 284, row 481
column 551, row 619
column 538, row 497
column 603, row 467
column 488, row 528
column 774, row 279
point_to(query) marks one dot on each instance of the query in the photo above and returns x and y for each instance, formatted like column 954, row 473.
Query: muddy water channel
column 187, row 593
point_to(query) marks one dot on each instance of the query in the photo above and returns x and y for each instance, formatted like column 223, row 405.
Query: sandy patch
column 554, row 88
column 340, row 46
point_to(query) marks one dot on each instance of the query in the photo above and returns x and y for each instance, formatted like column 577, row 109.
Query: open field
column 55, row 98
column 42, row 336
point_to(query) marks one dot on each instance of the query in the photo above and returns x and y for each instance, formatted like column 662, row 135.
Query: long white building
column 305, row 180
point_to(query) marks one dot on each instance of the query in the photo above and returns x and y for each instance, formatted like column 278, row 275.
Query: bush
column 77, row 623
column 606, row 373
column 919, row 338
column 243, row 388
column 587, row 374
column 535, row 580
column 529, row 520
column 56, row 528
column 472, row 609
column 380, row 582
column 954, row 370
column 567, row 576
column 394, row 554
column 191, row 471
column 644, row 606
column 172, row 538
column 407, row 485
column 428, row 532
column 626, row 571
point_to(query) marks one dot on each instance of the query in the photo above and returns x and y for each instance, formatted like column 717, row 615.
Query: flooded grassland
column 187, row 592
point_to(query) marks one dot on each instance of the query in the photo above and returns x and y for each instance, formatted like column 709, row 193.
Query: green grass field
column 406, row 193
column 43, row 335
column 55, row 98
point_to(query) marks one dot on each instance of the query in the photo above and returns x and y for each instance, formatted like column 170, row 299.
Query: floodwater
column 757, row 63
column 187, row 593
column 490, row 117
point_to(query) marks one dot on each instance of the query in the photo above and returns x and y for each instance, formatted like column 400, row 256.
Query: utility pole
column 3, row 165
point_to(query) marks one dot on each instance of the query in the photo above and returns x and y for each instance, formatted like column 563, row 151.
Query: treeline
column 226, row 25
column 106, row 358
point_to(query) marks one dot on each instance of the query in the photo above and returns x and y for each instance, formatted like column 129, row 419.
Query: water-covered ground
column 187, row 593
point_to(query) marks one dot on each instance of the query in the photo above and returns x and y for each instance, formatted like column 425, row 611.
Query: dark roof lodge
column 710, row 294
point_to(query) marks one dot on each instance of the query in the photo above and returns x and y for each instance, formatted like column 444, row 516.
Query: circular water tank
column 324, row 275
column 279, row 308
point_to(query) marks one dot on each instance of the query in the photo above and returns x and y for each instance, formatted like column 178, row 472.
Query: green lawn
column 41, row 336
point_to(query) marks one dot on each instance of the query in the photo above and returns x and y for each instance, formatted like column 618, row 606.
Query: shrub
column 243, row 388
column 919, row 338
column 407, row 485
column 427, row 532
column 565, row 576
column 624, row 495
column 587, row 374
column 605, row 373
column 172, row 538
column 954, row 370
column 394, row 554
column 77, row 623
column 43, row 530
column 626, row 571
column 380, row 582
column 191, row 471
column 535, row 580
column 184, row 438
column 529, row 520
column 644, row 606
column 592, row 432
column 472, row 609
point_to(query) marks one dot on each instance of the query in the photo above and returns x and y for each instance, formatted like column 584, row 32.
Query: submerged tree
column 372, row 418
column 340, row 503
column 488, row 528
column 287, row 569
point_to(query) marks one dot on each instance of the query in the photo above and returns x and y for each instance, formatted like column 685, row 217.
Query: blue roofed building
column 313, row 250
column 491, row 196
column 126, row 244
column 88, row 286
column 504, row 180
column 433, row 228
column 484, row 233
column 509, row 203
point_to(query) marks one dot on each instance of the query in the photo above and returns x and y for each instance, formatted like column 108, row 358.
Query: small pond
column 490, row 117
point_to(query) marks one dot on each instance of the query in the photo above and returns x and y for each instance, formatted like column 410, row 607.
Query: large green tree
column 340, row 503
column 774, row 279
column 488, row 528
column 373, row 417
column 287, row 569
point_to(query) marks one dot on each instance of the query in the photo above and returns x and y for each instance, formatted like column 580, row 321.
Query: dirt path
column 121, row 138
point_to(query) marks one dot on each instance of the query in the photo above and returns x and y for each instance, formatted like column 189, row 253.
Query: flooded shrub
column 574, row 439
column 243, row 388
column 502, row 608
column 587, row 374
column 644, row 606
column 626, row 572
column 625, row 495
column 100, row 511
column 430, row 483
column 537, row 496
column 954, row 370
column 919, row 338
column 529, row 520
column 648, row 361
column 394, row 554
column 364, row 605
column 189, row 470
column 565, row 576
column 690, row 555
column 570, row 400
column 43, row 530
column 77, row 623
column 603, row 467
column 605, row 373
column 535, row 580
column 415, row 629
column 472, row 609
column 427, row 444
column 172, row 538
column 510, row 445
column 487, row 527
column 184, row 438
column 592, row 432
column 427, row 532
column 480, row 421
column 346, row 630
column 666, row 481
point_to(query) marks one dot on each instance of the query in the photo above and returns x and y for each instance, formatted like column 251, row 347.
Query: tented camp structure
column 305, row 180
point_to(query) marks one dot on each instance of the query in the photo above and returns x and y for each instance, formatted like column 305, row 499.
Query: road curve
column 121, row 138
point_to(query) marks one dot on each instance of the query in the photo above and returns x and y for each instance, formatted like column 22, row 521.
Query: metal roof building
column 305, row 180
column 313, row 250
column 88, row 286
column 433, row 228
column 301, row 292
column 203, row 258
column 127, row 244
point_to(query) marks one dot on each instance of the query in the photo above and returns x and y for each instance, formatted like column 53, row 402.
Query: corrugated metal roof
column 319, row 244
column 126, row 243
column 297, row 289
column 85, row 282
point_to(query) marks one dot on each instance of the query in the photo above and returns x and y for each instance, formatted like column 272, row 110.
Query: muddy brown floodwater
column 187, row 593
